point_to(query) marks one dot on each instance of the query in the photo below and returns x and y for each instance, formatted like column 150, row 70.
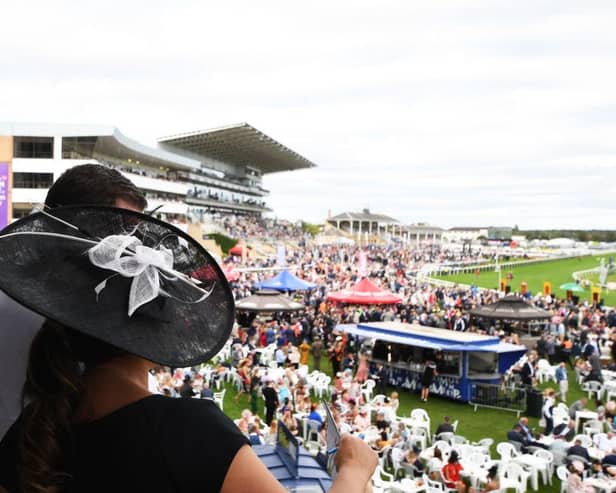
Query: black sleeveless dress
column 156, row 444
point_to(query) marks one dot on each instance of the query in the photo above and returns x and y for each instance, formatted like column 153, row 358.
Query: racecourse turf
column 556, row 272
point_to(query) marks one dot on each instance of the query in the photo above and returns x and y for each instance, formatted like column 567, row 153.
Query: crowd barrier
column 498, row 397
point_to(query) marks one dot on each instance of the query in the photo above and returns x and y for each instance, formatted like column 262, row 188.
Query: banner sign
column 4, row 194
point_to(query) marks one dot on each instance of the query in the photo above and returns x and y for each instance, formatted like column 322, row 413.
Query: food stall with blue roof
column 462, row 358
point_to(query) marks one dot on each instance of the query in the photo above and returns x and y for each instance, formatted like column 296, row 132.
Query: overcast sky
column 455, row 113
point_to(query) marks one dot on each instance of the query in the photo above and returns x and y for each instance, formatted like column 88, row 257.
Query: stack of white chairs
column 545, row 371
column 320, row 385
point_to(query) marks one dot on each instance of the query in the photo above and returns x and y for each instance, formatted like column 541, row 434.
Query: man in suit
column 578, row 450
column 517, row 436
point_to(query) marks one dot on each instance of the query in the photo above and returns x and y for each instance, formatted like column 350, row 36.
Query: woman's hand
column 355, row 463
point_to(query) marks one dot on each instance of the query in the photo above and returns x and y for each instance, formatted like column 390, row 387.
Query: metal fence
column 498, row 397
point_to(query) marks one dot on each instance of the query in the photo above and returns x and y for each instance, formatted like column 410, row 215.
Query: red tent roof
column 364, row 293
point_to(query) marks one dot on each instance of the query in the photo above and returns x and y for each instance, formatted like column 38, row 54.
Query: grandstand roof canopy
column 365, row 215
column 109, row 142
column 240, row 144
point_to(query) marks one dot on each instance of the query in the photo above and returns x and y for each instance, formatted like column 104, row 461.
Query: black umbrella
column 268, row 300
column 511, row 308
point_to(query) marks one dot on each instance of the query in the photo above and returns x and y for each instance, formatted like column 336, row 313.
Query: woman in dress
column 121, row 293
column 362, row 368
column 451, row 473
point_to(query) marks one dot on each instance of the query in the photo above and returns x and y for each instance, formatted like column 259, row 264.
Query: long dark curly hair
column 53, row 388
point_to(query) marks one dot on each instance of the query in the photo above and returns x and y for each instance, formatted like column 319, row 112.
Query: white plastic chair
column 545, row 371
column 563, row 475
column 445, row 435
column 378, row 400
column 513, row 476
column 443, row 446
column 610, row 390
column 506, row 451
column 478, row 459
column 421, row 419
column 592, row 427
column 219, row 398
column 367, row 388
column 418, row 435
column 436, row 486
column 458, row 440
column 312, row 430
column 485, row 444
column 378, row 481
column 548, row 472
column 593, row 387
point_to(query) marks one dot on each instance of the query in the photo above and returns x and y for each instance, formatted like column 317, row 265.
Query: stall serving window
column 482, row 363
column 413, row 357
column 448, row 363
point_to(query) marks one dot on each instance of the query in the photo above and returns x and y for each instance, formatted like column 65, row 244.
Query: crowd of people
column 573, row 337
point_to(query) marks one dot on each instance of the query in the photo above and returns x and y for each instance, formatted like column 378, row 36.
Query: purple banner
column 4, row 194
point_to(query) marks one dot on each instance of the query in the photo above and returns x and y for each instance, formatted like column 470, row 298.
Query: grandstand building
column 188, row 175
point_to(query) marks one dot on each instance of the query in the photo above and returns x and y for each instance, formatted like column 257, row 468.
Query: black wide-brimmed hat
column 122, row 277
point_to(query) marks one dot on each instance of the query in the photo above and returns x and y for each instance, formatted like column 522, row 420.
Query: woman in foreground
column 122, row 293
